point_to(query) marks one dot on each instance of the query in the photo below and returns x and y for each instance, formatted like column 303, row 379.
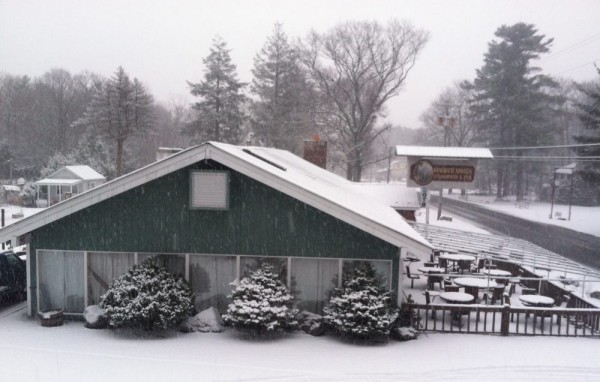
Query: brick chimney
column 315, row 151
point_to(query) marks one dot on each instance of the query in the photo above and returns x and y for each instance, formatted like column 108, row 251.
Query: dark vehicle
column 12, row 278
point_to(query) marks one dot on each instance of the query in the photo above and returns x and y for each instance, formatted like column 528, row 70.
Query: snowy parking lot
column 30, row 352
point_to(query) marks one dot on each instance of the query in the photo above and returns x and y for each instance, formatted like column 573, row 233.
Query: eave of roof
column 238, row 161
column 444, row 152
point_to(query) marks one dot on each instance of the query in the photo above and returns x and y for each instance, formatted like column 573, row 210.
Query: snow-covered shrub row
column 261, row 304
column 147, row 297
column 361, row 309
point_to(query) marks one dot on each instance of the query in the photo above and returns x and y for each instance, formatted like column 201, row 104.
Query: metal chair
column 412, row 277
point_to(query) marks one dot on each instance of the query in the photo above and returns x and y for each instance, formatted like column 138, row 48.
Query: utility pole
column 446, row 122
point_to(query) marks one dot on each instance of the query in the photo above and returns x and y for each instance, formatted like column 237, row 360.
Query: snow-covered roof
column 85, row 172
column 59, row 182
column 278, row 169
column 395, row 195
column 8, row 187
column 444, row 152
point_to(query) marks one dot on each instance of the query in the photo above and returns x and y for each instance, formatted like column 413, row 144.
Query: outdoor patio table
column 498, row 272
column 472, row 284
column 536, row 300
column 457, row 297
column 458, row 258
column 433, row 276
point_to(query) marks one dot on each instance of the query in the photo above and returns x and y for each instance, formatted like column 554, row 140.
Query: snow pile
column 361, row 309
column 207, row 321
column 404, row 333
column 95, row 317
column 147, row 297
column 261, row 304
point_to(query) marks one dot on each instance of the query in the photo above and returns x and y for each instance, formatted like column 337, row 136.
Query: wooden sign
column 441, row 174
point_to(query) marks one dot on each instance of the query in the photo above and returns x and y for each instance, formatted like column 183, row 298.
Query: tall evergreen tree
column 220, row 108
column 283, row 113
column 589, row 115
column 120, row 109
column 510, row 98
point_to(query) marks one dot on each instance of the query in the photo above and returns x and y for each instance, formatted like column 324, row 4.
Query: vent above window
column 209, row 190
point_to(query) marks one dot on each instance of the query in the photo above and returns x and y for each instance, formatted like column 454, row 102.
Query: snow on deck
column 72, row 353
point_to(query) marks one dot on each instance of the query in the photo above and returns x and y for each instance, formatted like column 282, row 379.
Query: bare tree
column 447, row 121
column 358, row 67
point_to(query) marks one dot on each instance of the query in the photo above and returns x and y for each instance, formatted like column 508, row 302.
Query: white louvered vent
column 209, row 189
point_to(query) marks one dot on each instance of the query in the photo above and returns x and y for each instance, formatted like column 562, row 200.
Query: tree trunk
column 119, row 157
column 519, row 182
column 499, row 180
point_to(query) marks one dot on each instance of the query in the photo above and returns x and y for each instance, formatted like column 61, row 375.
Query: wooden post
column 505, row 320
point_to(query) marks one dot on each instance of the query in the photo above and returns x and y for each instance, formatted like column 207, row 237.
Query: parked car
column 12, row 278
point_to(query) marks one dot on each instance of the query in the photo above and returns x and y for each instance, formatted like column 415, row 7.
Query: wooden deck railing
column 506, row 320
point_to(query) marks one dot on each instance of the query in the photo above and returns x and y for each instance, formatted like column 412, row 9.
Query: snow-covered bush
column 261, row 304
column 361, row 309
column 147, row 297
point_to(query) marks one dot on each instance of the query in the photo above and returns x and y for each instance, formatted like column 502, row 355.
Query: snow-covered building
column 9, row 193
column 211, row 213
column 66, row 182
column 402, row 199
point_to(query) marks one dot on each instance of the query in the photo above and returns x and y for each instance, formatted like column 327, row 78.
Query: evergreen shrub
column 148, row 297
column 261, row 304
column 361, row 309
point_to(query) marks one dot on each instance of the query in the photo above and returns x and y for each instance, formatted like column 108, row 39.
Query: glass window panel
column 61, row 281
column 249, row 264
column 103, row 268
column 210, row 277
column 312, row 282
column 382, row 269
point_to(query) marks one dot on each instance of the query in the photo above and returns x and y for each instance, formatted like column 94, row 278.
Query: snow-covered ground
column 29, row 352
column 583, row 219
column 456, row 222
column 9, row 210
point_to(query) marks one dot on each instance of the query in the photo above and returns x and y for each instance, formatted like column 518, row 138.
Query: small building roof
column 85, row 172
column 278, row 169
column 58, row 182
column 395, row 194
column 444, row 152
column 8, row 187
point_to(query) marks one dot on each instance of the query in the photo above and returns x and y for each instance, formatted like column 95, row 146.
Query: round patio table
column 536, row 300
column 499, row 273
column 457, row 297
column 433, row 276
column 472, row 284
column 496, row 272
column 458, row 259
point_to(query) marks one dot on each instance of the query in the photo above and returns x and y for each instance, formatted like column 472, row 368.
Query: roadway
column 577, row 246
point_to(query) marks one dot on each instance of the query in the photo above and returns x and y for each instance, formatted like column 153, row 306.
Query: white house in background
column 9, row 193
column 66, row 182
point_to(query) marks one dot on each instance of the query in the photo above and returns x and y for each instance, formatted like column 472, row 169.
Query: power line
column 545, row 147
column 562, row 158
column 577, row 67
column 549, row 159
column 577, row 45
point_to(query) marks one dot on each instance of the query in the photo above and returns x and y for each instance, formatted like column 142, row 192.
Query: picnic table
column 537, row 300
column 473, row 284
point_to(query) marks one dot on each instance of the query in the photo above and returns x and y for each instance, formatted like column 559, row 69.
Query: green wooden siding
column 156, row 217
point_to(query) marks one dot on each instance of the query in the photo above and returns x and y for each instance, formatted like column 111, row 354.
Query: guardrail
column 505, row 320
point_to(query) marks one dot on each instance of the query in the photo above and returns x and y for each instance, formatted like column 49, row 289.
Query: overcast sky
column 163, row 42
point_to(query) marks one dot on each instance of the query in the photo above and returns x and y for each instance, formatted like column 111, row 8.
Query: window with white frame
column 209, row 190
